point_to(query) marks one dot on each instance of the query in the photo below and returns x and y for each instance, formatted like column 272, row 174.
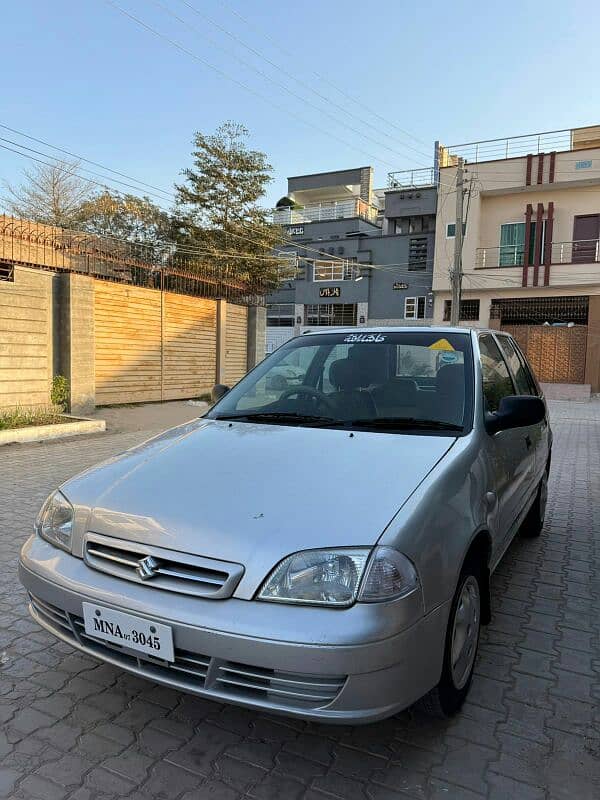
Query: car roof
column 402, row 329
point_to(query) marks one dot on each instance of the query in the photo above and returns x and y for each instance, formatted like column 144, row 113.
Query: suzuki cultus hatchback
column 320, row 543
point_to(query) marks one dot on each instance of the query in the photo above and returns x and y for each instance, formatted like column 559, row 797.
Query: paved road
column 72, row 728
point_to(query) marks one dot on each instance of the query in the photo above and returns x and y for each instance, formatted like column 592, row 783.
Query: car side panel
column 438, row 523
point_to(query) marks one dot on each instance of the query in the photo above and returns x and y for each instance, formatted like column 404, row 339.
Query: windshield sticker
column 449, row 358
column 441, row 344
column 365, row 337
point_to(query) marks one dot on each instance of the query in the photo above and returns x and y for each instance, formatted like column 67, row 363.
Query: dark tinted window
column 523, row 380
column 497, row 382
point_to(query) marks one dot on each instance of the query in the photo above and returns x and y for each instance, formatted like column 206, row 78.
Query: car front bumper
column 222, row 648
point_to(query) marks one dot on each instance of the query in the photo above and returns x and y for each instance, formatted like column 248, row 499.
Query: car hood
column 252, row 493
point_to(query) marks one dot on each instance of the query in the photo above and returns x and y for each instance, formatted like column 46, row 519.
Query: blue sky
column 83, row 76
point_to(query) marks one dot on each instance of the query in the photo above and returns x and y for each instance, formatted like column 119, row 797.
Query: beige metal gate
column 153, row 345
column 557, row 354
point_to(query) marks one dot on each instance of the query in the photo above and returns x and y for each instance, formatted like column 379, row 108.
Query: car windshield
column 384, row 381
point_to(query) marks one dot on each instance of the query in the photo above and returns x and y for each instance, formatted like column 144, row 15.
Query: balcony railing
column 512, row 146
column 320, row 212
column 411, row 178
column 581, row 251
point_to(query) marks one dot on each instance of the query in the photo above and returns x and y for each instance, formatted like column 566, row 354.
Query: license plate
column 142, row 635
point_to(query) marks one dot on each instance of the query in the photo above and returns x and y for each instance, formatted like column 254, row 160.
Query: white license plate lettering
column 127, row 630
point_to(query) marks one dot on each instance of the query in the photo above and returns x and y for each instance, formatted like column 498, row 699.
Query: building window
column 333, row 271
column 451, row 230
column 414, row 307
column 335, row 314
column 512, row 244
column 280, row 315
column 421, row 224
column 417, row 253
column 469, row 310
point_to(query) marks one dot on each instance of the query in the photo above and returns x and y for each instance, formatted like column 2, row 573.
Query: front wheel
column 462, row 641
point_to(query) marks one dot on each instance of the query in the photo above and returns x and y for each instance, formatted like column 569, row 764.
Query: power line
column 156, row 243
column 83, row 169
column 243, row 85
column 390, row 267
column 172, row 197
column 293, row 77
column 285, row 241
column 79, row 158
column 104, row 186
column 321, row 77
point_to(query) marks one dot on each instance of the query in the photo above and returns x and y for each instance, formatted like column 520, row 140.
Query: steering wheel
column 307, row 391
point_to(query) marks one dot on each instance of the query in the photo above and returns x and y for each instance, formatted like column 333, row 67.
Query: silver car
column 320, row 547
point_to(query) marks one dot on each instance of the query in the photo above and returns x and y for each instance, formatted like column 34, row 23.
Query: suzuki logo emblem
column 147, row 567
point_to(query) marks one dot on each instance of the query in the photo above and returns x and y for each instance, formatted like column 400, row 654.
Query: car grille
column 161, row 568
column 278, row 687
column 192, row 671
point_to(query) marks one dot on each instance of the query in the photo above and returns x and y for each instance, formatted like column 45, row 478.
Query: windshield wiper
column 401, row 422
column 277, row 416
column 389, row 423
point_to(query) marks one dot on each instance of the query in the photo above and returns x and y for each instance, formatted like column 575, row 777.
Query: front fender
column 437, row 525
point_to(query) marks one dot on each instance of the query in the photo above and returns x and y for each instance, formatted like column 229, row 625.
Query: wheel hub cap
column 465, row 632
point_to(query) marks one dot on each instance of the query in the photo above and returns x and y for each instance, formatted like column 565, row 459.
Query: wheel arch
column 479, row 552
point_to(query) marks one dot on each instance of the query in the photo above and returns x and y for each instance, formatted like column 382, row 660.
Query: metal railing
column 513, row 146
column 158, row 265
column 581, row 251
column 319, row 212
column 411, row 178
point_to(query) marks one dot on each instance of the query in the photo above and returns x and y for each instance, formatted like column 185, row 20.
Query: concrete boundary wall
column 117, row 343
column 26, row 338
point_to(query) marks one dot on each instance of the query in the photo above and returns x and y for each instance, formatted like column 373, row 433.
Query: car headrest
column 405, row 391
column 373, row 357
column 346, row 374
column 450, row 378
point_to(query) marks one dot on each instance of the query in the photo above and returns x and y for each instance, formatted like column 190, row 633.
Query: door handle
column 528, row 441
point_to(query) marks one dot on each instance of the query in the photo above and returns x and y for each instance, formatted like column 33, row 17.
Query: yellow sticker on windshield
column 441, row 344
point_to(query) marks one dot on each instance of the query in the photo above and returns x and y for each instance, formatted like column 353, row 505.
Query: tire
column 457, row 673
column 532, row 525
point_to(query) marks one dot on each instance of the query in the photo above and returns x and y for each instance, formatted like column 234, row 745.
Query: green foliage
column 59, row 394
column 217, row 211
column 126, row 216
column 218, row 204
column 25, row 417
column 287, row 202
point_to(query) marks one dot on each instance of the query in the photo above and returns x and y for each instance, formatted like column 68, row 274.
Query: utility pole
column 458, row 240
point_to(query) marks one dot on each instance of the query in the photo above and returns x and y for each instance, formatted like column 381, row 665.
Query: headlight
column 319, row 577
column 55, row 521
column 340, row 577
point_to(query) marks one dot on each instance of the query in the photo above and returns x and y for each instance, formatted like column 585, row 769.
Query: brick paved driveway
column 72, row 728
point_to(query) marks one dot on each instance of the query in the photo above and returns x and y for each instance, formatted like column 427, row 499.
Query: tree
column 51, row 193
column 218, row 203
column 126, row 216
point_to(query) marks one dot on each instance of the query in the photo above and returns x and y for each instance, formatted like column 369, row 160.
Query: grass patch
column 26, row 417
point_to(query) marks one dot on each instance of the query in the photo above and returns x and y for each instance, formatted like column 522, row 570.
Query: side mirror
column 219, row 390
column 515, row 411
